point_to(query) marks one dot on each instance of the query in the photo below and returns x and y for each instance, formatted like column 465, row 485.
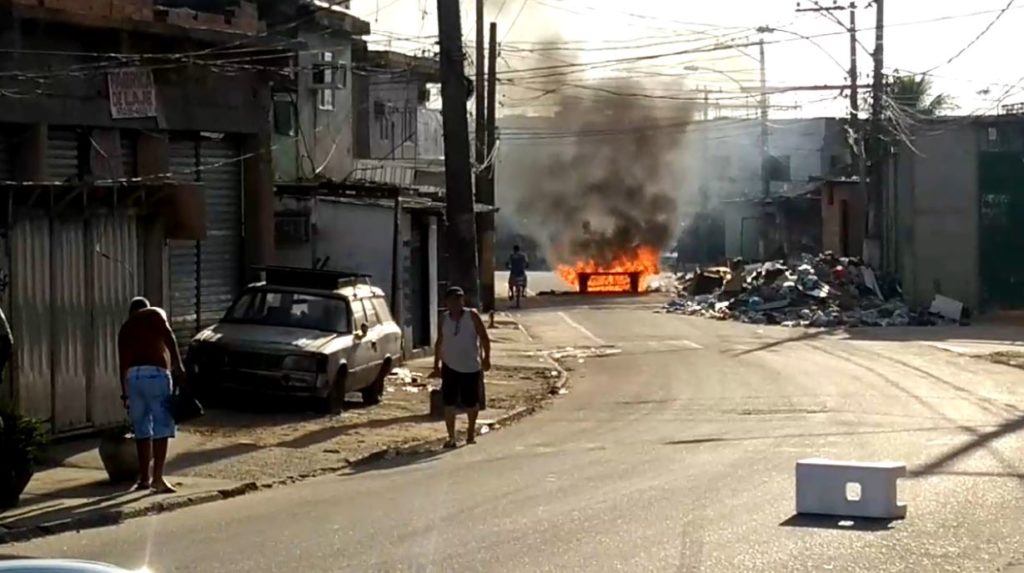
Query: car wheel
column 373, row 393
column 334, row 402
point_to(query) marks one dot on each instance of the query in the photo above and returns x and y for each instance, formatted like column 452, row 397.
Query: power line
column 976, row 38
column 514, row 20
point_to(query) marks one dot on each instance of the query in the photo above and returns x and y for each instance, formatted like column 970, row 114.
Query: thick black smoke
column 606, row 188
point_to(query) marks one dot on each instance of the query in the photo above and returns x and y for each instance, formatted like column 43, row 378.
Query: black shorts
column 460, row 389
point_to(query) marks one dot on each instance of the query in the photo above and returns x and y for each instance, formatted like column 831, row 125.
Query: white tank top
column 460, row 350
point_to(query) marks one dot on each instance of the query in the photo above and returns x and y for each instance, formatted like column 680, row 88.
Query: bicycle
column 518, row 290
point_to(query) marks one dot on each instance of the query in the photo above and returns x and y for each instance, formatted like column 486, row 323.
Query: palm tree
column 913, row 93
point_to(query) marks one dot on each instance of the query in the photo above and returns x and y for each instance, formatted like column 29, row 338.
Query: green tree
column 912, row 93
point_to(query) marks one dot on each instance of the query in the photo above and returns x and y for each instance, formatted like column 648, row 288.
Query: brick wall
column 243, row 18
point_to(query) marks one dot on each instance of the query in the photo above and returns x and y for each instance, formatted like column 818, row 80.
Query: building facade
column 953, row 205
column 135, row 174
column 313, row 109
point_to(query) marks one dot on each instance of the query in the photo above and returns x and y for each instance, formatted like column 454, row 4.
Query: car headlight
column 300, row 363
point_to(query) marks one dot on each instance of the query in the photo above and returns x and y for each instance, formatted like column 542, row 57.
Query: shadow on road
column 809, row 335
column 840, row 523
column 422, row 455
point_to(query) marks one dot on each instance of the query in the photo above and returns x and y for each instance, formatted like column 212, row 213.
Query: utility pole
column 485, row 231
column 873, row 239
column 766, row 183
column 461, row 222
column 856, row 127
column 485, row 194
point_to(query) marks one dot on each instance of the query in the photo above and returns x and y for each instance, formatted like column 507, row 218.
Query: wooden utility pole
column 857, row 135
column 487, row 197
column 485, row 222
column 766, row 184
column 461, row 223
column 766, row 180
column 876, row 145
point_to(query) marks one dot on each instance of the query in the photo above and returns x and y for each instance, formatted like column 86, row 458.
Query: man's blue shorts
column 149, row 402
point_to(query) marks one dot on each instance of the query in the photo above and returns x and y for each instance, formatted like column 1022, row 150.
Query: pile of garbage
column 819, row 291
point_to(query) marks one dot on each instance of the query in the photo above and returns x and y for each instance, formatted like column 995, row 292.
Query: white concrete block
column 853, row 489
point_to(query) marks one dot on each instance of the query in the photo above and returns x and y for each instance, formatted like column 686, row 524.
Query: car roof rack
column 312, row 278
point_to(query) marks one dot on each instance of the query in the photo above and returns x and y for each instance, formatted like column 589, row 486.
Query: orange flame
column 644, row 260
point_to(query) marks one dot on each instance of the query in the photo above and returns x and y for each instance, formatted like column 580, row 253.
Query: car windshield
column 290, row 309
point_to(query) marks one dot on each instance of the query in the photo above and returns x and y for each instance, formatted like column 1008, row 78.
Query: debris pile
column 819, row 291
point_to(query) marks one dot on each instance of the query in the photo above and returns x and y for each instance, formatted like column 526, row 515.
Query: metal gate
column 206, row 275
column 71, row 280
column 1001, row 195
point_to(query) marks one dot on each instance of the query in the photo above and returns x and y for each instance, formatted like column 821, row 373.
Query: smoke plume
column 606, row 188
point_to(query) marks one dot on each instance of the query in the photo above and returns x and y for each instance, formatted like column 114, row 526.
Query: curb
column 104, row 518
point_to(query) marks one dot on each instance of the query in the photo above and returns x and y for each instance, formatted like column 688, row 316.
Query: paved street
column 675, row 455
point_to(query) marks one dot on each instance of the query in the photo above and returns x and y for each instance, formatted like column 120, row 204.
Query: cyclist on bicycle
column 517, row 264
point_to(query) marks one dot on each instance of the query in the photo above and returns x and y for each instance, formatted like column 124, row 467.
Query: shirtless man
column 148, row 355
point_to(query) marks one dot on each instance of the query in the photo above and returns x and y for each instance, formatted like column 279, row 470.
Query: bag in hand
column 184, row 406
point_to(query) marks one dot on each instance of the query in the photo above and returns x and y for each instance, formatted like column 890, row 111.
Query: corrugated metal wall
column 221, row 251
column 62, row 154
column 71, row 279
column 115, row 262
column 71, row 324
column 183, row 256
column 30, row 316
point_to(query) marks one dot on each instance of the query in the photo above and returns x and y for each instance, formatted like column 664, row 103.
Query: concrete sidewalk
column 263, row 444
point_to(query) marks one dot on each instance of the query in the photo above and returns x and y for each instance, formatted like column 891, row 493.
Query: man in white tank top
column 462, row 354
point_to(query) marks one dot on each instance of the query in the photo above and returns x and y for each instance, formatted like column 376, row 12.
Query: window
column 342, row 76
column 778, row 168
column 382, row 125
column 358, row 315
column 323, row 79
column 291, row 310
column 383, row 312
column 325, row 99
column 371, row 313
column 284, row 115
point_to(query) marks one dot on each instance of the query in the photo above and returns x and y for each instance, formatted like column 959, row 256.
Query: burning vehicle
column 604, row 200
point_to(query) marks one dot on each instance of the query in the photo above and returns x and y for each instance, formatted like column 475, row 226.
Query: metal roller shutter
column 6, row 157
column 221, row 252
column 183, row 256
column 129, row 142
column 62, row 154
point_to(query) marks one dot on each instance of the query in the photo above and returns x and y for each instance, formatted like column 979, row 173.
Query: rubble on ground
column 818, row 291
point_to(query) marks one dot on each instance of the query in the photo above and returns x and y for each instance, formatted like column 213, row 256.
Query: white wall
column 326, row 136
column 359, row 238
column 394, row 116
column 724, row 156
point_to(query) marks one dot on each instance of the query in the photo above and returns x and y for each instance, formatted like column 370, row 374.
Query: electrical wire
column 976, row 38
column 522, row 7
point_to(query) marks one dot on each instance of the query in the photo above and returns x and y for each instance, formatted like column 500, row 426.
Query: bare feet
column 141, row 486
column 450, row 444
column 471, row 440
column 161, row 486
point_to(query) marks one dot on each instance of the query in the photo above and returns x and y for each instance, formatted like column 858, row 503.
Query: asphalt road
column 675, row 455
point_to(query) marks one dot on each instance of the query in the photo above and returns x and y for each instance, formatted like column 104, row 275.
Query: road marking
column 580, row 328
column 683, row 343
